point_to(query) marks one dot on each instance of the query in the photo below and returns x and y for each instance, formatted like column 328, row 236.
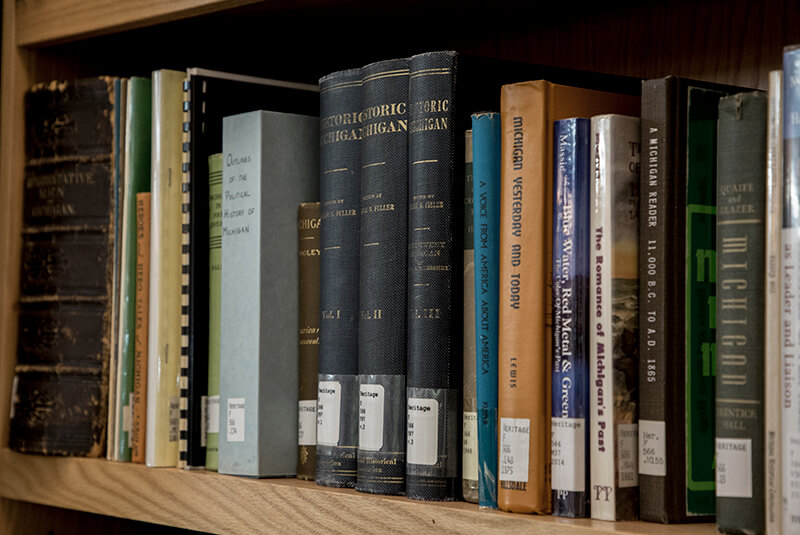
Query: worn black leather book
column 60, row 394
column 382, row 323
column 340, row 183
column 741, row 205
column 208, row 97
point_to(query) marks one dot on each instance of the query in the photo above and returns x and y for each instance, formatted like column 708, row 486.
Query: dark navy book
column 570, row 432
column 340, row 187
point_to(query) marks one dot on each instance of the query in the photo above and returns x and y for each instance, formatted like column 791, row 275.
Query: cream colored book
column 164, row 339
column 773, row 340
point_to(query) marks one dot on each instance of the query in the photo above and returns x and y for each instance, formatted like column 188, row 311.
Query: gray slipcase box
column 270, row 165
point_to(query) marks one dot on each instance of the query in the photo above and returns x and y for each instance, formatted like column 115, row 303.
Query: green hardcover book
column 214, row 278
column 700, row 288
column 137, row 179
column 677, row 287
column 741, row 182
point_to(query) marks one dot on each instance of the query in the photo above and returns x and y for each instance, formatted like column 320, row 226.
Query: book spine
column 65, row 310
column 570, row 403
column 613, row 342
column 340, row 183
column 469, row 399
column 661, row 381
column 163, row 394
column 214, row 296
column 138, row 403
column 773, row 492
column 114, row 400
column 186, row 276
column 271, row 166
column 699, row 294
column 308, row 219
column 741, row 179
column 434, row 290
column 524, row 363
column 790, row 275
column 136, row 171
column 486, row 237
column 194, row 274
column 382, row 286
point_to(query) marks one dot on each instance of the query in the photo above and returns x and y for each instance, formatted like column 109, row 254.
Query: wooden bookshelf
column 729, row 41
column 206, row 501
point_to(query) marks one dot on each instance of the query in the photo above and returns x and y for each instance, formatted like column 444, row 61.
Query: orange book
column 139, row 402
column 528, row 110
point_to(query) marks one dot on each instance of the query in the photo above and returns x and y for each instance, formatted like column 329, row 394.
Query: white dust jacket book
column 614, row 317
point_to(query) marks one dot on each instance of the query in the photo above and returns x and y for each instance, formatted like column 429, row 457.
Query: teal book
column 741, row 190
column 486, row 243
column 136, row 170
column 271, row 164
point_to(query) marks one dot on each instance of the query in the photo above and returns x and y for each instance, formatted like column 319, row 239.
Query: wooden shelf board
column 51, row 21
column 206, row 501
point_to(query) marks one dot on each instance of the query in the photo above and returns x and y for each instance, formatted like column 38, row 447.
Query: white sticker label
column 329, row 401
column 734, row 468
column 307, row 422
column 628, row 455
column 235, row 420
column 126, row 417
column 470, row 449
column 515, row 440
column 652, row 448
column 212, row 424
column 423, row 431
column 568, row 454
column 370, row 417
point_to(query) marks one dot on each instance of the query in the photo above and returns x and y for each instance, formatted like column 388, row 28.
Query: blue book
column 790, row 273
column 486, row 237
column 570, row 430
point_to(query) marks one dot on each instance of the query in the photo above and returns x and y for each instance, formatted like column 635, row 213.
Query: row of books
column 571, row 369
column 113, row 352
column 604, row 398
column 621, row 431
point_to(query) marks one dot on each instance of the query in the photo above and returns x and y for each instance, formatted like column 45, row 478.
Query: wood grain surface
column 216, row 503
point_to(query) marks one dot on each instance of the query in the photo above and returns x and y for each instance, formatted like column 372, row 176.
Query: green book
column 741, row 182
column 137, row 179
column 214, row 278
column 701, row 287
